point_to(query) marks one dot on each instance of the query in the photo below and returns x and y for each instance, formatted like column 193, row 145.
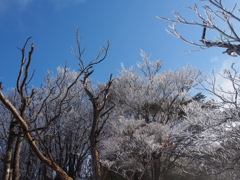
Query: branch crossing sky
column 130, row 25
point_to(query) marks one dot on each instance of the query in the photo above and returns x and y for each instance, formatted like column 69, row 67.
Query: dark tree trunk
column 96, row 166
column 156, row 167
column 7, row 174
column 16, row 160
column 8, row 158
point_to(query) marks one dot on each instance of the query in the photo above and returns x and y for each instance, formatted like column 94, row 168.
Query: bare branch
column 209, row 22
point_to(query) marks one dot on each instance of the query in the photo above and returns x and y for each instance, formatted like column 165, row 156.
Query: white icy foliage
column 143, row 129
column 207, row 134
column 153, row 95
column 212, row 136
column 131, row 139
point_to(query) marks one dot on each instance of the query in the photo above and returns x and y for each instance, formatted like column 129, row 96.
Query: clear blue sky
column 130, row 25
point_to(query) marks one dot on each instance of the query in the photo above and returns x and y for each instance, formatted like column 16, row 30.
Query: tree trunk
column 156, row 170
column 16, row 160
column 53, row 165
column 61, row 174
column 96, row 166
column 7, row 174
column 156, row 167
column 8, row 158
column 29, row 172
column 104, row 173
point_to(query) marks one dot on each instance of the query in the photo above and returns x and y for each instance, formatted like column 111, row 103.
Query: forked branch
column 229, row 41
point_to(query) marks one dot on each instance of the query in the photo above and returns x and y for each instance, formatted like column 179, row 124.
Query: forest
column 144, row 124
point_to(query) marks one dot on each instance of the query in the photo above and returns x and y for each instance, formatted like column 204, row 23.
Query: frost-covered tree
column 30, row 119
column 42, row 121
column 219, row 17
column 8, row 137
column 151, row 95
column 213, row 131
column 139, row 150
column 66, row 137
column 141, row 141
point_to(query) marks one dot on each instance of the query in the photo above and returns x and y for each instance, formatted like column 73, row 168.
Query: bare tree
column 213, row 14
column 13, row 153
column 100, row 112
column 26, row 98
column 40, row 108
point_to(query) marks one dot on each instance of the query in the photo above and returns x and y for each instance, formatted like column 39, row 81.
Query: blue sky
column 130, row 25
